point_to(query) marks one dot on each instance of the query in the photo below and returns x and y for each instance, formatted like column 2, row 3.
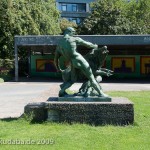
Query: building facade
column 129, row 55
column 74, row 10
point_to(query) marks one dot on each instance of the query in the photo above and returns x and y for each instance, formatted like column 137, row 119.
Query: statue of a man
column 67, row 47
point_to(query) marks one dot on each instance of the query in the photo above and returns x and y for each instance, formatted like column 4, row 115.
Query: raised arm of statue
column 85, row 43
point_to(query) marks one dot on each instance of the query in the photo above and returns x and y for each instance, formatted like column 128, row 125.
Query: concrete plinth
column 119, row 111
column 85, row 99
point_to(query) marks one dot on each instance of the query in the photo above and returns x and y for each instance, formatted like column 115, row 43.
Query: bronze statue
column 67, row 47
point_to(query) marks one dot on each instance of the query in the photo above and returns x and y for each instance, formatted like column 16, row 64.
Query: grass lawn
column 82, row 136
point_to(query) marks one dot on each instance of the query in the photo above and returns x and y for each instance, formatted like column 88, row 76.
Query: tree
column 139, row 16
column 25, row 17
column 115, row 17
column 64, row 23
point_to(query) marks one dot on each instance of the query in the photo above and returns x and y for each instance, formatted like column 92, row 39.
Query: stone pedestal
column 84, row 99
column 119, row 111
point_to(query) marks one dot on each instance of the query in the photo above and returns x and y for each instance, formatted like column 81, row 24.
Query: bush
column 1, row 80
column 6, row 69
column 6, row 64
column 9, row 64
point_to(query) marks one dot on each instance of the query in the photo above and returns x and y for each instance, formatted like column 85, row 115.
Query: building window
column 74, row 7
column 63, row 7
column 81, row 7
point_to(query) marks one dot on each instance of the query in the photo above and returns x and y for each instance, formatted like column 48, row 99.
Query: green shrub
column 6, row 64
column 9, row 64
column 1, row 80
column 6, row 69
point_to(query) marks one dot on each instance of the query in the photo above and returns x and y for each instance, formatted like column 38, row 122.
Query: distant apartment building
column 74, row 10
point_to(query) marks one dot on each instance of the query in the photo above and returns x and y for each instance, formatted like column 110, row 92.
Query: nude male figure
column 67, row 47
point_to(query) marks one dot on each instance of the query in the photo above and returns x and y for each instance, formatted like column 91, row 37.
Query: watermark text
column 26, row 142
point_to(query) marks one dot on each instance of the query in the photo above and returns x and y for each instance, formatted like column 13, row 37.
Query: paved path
column 15, row 95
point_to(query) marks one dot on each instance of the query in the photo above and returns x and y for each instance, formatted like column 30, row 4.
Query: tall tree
column 23, row 17
column 138, row 13
column 114, row 17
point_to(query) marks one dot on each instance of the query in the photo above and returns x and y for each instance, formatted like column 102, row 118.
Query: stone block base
column 119, row 111
column 85, row 99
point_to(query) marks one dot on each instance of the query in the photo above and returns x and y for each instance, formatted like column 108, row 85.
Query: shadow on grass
column 9, row 119
column 22, row 117
column 135, row 124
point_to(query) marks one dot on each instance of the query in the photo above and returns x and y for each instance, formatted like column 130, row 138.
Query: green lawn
column 82, row 136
